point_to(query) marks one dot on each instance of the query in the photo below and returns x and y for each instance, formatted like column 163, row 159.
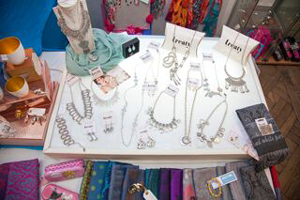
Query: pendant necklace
column 87, row 104
column 163, row 127
column 220, row 132
column 81, row 32
column 236, row 83
column 151, row 86
column 124, row 109
column 210, row 93
column 105, row 102
column 193, row 85
column 171, row 59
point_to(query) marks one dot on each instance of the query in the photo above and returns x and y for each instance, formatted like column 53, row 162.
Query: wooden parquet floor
column 281, row 86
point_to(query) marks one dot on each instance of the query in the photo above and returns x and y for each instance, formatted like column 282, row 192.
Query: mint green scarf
column 108, row 49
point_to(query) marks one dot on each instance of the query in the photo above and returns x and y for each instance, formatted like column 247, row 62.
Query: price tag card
column 172, row 90
column 224, row 179
column 107, row 118
column 148, row 195
column 36, row 111
column 195, row 66
column 96, row 72
column 89, row 126
column 146, row 57
column 193, row 83
column 150, row 86
column 264, row 127
column 208, row 56
column 71, row 79
column 154, row 45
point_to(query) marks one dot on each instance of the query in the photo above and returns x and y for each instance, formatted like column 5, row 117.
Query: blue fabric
column 25, row 20
column 40, row 148
column 2, row 77
column 53, row 39
column 97, row 179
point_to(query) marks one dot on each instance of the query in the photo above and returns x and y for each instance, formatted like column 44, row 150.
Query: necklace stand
column 74, row 21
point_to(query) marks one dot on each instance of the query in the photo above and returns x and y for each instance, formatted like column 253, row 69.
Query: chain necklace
column 124, row 109
column 220, row 132
column 87, row 103
column 81, row 32
column 171, row 59
column 151, row 86
column 162, row 127
column 236, row 83
column 210, row 93
column 187, row 128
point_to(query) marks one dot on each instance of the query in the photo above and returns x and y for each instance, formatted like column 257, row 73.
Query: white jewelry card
column 240, row 44
column 183, row 39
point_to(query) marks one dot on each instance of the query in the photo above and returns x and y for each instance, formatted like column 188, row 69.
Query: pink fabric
column 23, row 180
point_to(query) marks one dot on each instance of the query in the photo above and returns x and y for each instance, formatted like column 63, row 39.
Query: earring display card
column 131, row 47
column 183, row 39
column 167, row 143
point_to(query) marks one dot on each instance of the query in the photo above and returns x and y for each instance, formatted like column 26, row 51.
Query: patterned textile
column 20, row 180
column 256, row 184
column 188, row 186
column 97, row 179
column 266, row 139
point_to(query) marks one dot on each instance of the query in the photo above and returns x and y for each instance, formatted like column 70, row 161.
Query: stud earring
column 133, row 48
column 129, row 50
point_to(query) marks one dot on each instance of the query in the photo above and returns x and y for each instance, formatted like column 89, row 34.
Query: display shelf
column 272, row 61
column 167, row 144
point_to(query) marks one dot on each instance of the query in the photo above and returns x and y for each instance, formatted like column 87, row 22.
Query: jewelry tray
column 168, row 145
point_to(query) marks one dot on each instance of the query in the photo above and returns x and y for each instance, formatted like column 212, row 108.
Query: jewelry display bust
column 74, row 21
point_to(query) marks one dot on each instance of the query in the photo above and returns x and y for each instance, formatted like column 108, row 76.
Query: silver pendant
column 186, row 140
column 236, row 85
column 170, row 59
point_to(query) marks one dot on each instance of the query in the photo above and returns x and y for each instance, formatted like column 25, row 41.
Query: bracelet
column 210, row 188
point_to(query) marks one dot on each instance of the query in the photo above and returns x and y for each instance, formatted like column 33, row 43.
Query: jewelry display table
column 167, row 145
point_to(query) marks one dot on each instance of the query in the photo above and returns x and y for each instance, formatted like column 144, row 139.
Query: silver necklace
column 162, row 127
column 64, row 133
column 81, row 32
column 220, row 132
column 87, row 104
column 210, row 93
column 105, row 102
column 236, row 83
column 124, row 109
column 151, row 86
column 187, row 128
column 171, row 59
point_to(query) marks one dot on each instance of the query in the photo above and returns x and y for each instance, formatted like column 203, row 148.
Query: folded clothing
column 132, row 176
column 266, row 138
column 256, row 184
column 20, row 180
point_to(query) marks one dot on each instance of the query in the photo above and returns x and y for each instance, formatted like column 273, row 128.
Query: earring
column 133, row 48
column 141, row 144
column 129, row 49
column 150, row 142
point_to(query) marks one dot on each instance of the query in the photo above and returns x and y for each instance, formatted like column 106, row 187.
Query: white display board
column 167, row 144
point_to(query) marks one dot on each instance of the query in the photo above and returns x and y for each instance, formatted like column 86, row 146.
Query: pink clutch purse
column 52, row 191
column 65, row 170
